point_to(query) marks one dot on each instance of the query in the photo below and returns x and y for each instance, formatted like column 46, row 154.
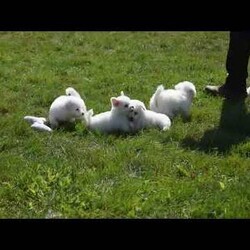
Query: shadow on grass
column 66, row 127
column 234, row 128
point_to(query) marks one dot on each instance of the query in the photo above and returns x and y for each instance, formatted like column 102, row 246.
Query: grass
column 197, row 169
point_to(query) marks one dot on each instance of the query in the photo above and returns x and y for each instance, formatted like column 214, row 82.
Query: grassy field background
column 197, row 169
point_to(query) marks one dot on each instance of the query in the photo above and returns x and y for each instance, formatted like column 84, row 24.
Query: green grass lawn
column 197, row 169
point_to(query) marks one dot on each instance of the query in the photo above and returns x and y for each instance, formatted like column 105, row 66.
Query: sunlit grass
column 197, row 169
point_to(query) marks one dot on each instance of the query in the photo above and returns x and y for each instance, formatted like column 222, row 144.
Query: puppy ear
column 142, row 108
column 90, row 112
column 114, row 102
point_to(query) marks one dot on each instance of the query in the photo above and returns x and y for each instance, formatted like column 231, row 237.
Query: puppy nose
column 82, row 113
column 131, row 119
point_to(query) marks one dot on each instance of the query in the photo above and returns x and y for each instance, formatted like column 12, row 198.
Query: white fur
column 72, row 92
column 66, row 109
column 115, row 120
column 248, row 91
column 41, row 127
column 173, row 101
column 135, row 101
column 32, row 119
column 37, row 123
column 141, row 118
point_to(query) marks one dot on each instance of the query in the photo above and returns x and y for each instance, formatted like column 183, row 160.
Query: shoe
column 223, row 92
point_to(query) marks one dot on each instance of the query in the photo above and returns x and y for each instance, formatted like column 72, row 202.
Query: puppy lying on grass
column 113, row 121
column 141, row 118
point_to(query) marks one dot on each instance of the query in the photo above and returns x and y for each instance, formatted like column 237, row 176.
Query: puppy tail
column 71, row 91
column 32, row 119
column 159, row 89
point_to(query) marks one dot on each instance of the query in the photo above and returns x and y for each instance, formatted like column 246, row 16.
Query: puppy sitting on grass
column 67, row 108
column 113, row 121
column 174, row 101
column 141, row 118
column 64, row 109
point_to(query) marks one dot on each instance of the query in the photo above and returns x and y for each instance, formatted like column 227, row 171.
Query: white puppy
column 113, row 121
column 66, row 109
column 174, row 101
column 141, row 118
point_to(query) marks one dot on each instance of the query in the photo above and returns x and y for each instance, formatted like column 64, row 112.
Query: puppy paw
column 33, row 119
column 166, row 128
column 41, row 127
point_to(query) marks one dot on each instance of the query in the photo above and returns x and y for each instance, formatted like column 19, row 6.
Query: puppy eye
column 77, row 109
column 126, row 106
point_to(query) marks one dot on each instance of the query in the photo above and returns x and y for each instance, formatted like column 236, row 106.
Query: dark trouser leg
column 237, row 61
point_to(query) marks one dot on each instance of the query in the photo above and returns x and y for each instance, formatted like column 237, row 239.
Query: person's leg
column 236, row 65
column 237, row 61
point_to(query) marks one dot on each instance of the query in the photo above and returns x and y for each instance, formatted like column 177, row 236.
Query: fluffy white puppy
column 66, row 109
column 173, row 101
column 113, row 121
column 141, row 118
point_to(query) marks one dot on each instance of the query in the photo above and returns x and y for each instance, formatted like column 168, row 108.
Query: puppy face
column 187, row 87
column 76, row 109
column 120, row 104
column 136, row 109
